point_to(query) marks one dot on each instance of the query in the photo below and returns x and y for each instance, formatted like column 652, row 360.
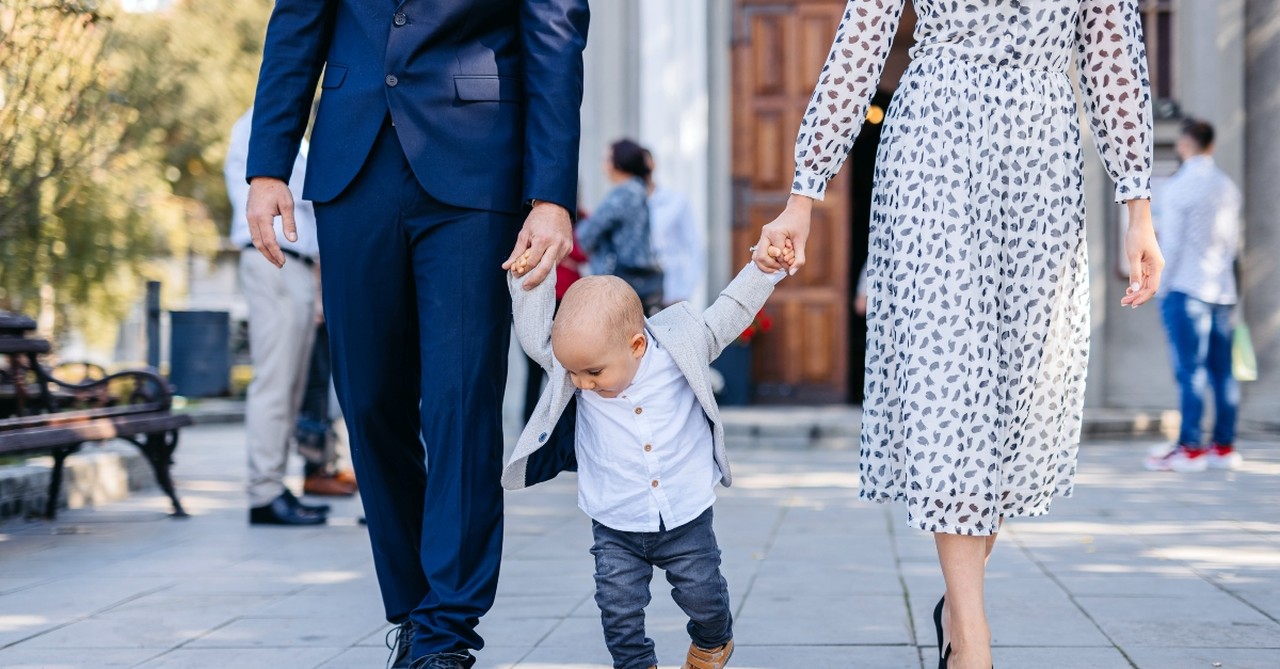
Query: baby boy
column 629, row 404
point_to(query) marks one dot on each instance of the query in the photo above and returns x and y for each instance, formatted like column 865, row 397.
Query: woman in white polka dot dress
column 978, row 297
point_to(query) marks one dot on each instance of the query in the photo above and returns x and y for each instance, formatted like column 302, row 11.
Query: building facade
column 717, row 89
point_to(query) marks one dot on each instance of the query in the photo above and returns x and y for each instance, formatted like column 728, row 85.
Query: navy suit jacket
column 485, row 95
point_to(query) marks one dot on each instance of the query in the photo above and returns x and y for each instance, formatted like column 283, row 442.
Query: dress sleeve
column 845, row 88
column 1113, row 78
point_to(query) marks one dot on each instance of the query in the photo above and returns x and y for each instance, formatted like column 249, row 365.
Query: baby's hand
column 522, row 265
column 787, row 254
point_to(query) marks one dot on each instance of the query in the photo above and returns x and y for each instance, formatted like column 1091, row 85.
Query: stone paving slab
column 1138, row 570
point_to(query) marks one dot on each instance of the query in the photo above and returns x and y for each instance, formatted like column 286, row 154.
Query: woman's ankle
column 966, row 635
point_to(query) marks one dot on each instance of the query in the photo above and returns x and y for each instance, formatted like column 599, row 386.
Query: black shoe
column 400, row 645
column 946, row 655
column 443, row 661
column 281, row 512
column 299, row 504
column 937, row 622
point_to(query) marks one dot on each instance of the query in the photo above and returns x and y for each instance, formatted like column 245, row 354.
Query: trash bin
column 200, row 353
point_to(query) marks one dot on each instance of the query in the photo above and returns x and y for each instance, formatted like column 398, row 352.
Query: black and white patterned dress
column 978, row 299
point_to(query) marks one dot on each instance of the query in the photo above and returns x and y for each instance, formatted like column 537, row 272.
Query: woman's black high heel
column 937, row 622
column 944, row 654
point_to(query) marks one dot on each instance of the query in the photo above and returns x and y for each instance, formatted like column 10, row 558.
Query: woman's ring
column 752, row 249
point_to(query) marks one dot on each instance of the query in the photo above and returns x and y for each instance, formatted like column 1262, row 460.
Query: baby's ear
column 638, row 344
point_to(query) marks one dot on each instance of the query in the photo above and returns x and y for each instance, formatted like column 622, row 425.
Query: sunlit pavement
column 1139, row 569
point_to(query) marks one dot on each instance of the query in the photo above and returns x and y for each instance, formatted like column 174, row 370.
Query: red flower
column 761, row 323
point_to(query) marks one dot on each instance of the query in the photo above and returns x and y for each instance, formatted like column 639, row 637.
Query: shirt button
column 391, row 80
column 400, row 19
column 648, row 447
column 655, row 484
column 639, row 411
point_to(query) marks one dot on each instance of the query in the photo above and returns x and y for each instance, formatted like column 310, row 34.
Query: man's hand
column 268, row 198
column 782, row 242
column 545, row 239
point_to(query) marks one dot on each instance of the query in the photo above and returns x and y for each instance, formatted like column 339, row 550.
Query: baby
column 629, row 405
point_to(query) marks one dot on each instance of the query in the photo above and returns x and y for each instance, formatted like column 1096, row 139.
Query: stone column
column 675, row 98
column 1262, row 206
column 611, row 91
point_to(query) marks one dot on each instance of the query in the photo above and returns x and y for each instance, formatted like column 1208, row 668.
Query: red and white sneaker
column 1180, row 458
column 1224, row 456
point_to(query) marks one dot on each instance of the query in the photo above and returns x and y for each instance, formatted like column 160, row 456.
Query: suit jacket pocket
column 482, row 88
column 334, row 75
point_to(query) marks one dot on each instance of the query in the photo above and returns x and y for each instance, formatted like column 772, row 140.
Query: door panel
column 779, row 49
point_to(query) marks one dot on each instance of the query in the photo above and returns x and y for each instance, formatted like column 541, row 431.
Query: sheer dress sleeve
column 1117, row 92
column 845, row 88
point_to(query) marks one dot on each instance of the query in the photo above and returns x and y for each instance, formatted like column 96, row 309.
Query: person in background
column 678, row 239
column 618, row 237
column 327, row 470
column 1198, row 224
column 282, row 307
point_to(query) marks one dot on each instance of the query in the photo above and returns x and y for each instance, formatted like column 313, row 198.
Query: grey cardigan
column 693, row 340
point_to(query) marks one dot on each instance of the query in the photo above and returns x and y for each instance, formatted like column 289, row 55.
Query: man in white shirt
column 1198, row 226
column 282, row 325
column 679, row 240
column 646, row 439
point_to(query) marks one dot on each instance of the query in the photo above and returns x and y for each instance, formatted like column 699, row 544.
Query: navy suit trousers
column 419, row 325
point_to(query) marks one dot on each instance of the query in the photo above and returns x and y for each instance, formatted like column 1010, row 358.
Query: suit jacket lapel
column 690, row 366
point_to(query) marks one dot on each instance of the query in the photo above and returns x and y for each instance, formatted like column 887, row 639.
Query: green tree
column 113, row 129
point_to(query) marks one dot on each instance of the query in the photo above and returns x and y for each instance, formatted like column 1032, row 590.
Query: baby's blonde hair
column 597, row 306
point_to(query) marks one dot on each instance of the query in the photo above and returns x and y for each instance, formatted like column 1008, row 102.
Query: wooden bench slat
column 79, row 415
column 10, row 345
column 41, row 438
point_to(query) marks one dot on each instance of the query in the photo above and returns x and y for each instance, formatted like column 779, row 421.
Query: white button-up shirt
column 645, row 458
column 1197, row 219
column 304, row 216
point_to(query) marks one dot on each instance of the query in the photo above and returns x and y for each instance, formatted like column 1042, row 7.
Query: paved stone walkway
column 1138, row 570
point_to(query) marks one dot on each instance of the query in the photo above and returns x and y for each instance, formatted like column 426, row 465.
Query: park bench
column 41, row 413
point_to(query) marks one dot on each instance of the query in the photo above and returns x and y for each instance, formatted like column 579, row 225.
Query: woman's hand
column 1145, row 261
column 782, row 241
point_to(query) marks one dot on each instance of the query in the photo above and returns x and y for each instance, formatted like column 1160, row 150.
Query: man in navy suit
column 442, row 124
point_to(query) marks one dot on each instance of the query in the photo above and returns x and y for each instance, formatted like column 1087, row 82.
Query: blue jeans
column 624, row 567
column 1200, row 337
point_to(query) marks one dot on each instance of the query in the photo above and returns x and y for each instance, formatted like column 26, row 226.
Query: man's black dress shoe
column 281, row 512
column 400, row 641
column 443, row 661
column 299, row 504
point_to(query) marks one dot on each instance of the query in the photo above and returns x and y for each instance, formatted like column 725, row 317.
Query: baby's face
column 605, row 364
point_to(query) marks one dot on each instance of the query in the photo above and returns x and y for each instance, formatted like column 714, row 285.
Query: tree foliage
column 113, row 129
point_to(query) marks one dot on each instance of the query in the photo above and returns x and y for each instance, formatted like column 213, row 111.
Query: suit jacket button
column 392, row 80
column 400, row 19
column 542, row 437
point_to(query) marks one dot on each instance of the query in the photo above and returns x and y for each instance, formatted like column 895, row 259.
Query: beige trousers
column 281, row 329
